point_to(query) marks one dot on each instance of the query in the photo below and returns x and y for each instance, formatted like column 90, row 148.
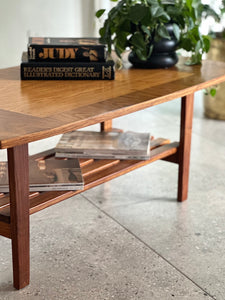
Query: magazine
column 103, row 145
column 49, row 174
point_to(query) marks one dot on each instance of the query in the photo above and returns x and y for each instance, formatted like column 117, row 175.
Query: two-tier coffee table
column 34, row 110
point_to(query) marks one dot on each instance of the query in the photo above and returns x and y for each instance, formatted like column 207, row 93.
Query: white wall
column 19, row 19
column 22, row 18
column 90, row 24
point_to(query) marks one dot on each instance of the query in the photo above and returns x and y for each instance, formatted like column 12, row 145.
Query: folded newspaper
column 104, row 145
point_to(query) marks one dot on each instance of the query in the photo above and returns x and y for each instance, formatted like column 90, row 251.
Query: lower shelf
column 95, row 172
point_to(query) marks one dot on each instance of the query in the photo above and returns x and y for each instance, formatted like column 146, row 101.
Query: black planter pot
column 166, row 45
column 160, row 60
column 163, row 54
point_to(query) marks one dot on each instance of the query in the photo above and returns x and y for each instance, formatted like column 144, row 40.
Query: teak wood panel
column 19, row 213
column 95, row 172
column 33, row 110
column 106, row 126
column 187, row 104
column 5, row 230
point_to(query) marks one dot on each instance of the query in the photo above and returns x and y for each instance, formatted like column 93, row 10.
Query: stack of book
column 66, row 59
column 104, row 145
column 48, row 174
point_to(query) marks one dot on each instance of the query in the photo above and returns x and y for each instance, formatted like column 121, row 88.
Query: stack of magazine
column 50, row 58
column 49, row 174
column 104, row 145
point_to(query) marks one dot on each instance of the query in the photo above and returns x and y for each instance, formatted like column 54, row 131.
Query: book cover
column 66, row 70
column 102, row 145
column 66, row 49
column 49, row 174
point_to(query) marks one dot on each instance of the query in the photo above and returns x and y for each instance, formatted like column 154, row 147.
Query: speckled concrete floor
column 129, row 239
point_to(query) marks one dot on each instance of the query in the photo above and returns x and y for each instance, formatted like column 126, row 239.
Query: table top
column 33, row 110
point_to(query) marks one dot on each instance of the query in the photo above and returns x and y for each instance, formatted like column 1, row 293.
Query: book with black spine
column 66, row 49
column 104, row 145
column 48, row 174
column 66, row 70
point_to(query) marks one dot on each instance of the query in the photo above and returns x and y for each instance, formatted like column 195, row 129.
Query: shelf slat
column 126, row 166
column 4, row 201
column 95, row 172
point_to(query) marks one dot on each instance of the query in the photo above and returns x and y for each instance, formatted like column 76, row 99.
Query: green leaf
column 157, row 11
column 162, row 32
column 186, row 44
column 138, row 41
column 151, row 2
column 208, row 11
column 189, row 4
column 213, row 92
column 118, row 53
column 121, row 41
column 125, row 25
column 198, row 47
column 150, row 51
column 146, row 30
column 206, row 92
column 206, row 42
column 147, row 19
column 138, row 45
column 102, row 32
column 99, row 13
column 176, row 31
column 140, row 54
column 195, row 59
column 137, row 13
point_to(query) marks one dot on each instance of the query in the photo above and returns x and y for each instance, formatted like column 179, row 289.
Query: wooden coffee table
column 34, row 110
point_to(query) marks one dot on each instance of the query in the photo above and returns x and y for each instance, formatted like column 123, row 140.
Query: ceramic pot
column 163, row 54
column 158, row 60
column 166, row 45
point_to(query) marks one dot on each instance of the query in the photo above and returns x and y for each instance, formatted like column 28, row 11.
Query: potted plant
column 144, row 26
column 214, row 101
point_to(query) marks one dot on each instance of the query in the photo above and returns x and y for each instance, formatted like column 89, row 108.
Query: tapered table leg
column 185, row 145
column 19, row 213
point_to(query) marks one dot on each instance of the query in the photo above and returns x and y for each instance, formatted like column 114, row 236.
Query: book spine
column 67, row 71
column 44, row 53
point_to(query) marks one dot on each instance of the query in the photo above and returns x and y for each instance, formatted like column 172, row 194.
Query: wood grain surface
column 19, row 214
column 32, row 110
column 5, row 230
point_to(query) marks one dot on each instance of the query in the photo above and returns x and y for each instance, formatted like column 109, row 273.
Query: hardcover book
column 104, row 145
column 66, row 70
column 47, row 175
column 66, row 49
